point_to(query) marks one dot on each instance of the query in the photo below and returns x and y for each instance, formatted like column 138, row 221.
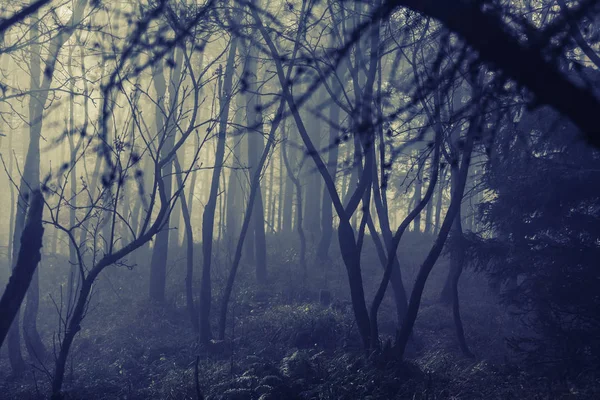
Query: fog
column 299, row 200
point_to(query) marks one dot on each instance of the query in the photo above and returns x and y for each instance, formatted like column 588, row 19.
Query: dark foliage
column 543, row 209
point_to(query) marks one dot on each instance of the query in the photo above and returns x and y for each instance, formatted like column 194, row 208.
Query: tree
column 27, row 261
column 547, row 246
column 254, row 121
column 225, row 97
column 166, row 131
column 31, row 172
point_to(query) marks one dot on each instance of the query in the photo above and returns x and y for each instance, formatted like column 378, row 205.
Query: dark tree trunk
column 33, row 341
column 434, row 253
column 449, row 294
column 24, row 271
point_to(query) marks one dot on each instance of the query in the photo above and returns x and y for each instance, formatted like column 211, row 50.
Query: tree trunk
column 347, row 242
column 280, row 194
column 440, row 200
column 254, row 184
column 31, row 169
column 294, row 179
column 234, row 188
column 418, row 194
column 26, row 264
column 449, row 294
column 208, row 218
column 429, row 210
column 311, row 179
column 327, row 205
column 158, row 263
column 254, row 121
column 288, row 198
column 189, row 239
column 434, row 253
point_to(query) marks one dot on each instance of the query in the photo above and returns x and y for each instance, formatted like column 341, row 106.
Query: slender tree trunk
column 417, row 198
column 234, row 188
column 288, row 200
column 311, row 178
column 189, row 239
column 434, row 253
column 381, row 206
column 26, row 264
column 254, row 185
column 348, row 246
column 208, row 218
column 327, row 205
column 158, row 263
column 429, row 210
column 73, row 181
column 296, row 182
column 457, row 261
column 280, row 195
column 254, row 120
column 14, row 338
column 440, row 201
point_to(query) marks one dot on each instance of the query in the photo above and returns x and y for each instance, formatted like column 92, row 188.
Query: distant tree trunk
column 158, row 263
column 429, row 210
column 221, row 207
column 190, row 200
column 327, row 204
column 311, row 179
column 249, row 245
column 254, row 120
column 175, row 217
column 234, row 188
column 299, row 217
column 208, row 218
column 418, row 194
column 55, row 233
column 74, row 177
column 280, row 195
column 288, row 198
column 189, row 238
column 271, row 199
column 26, row 264
column 254, row 185
column 440, row 200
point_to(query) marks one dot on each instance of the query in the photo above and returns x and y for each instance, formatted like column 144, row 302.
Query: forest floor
column 282, row 344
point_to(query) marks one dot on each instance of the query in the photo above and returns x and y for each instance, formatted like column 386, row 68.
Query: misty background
column 308, row 199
